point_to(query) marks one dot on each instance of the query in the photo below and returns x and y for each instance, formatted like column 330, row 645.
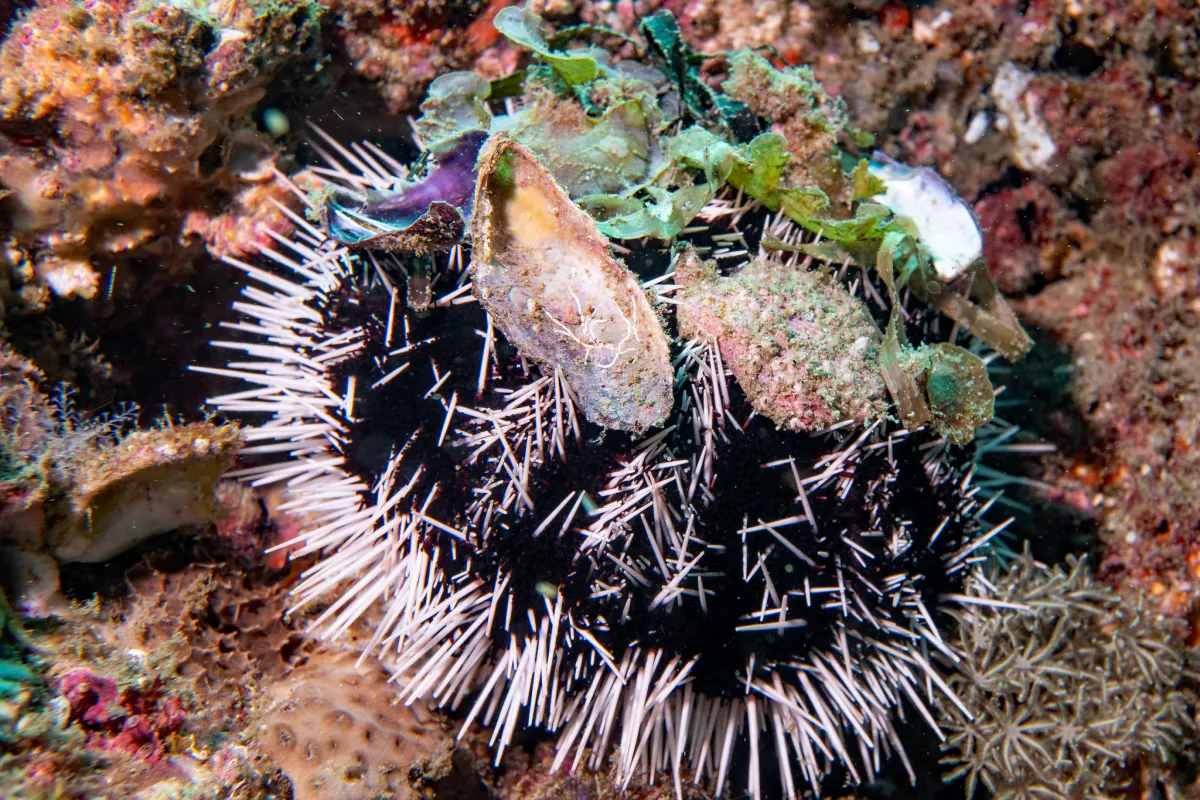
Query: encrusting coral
column 126, row 142
column 1066, row 683
column 148, row 689
column 339, row 731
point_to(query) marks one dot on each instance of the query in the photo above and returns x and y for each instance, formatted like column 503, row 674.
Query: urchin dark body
column 892, row 490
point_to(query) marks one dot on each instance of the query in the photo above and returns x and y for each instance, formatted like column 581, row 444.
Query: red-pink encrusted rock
column 802, row 348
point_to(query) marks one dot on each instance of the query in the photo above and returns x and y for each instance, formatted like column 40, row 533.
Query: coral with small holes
column 1066, row 684
column 340, row 732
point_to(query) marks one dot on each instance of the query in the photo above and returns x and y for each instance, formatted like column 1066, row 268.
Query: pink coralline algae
column 131, row 721
column 802, row 347
column 127, row 144
column 405, row 44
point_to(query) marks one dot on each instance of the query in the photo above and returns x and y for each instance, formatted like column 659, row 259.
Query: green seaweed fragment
column 942, row 384
column 981, row 310
column 662, row 215
column 588, row 155
column 957, row 388
column 865, row 184
column 525, row 28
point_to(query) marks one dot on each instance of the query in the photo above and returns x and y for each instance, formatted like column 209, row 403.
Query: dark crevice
column 1076, row 58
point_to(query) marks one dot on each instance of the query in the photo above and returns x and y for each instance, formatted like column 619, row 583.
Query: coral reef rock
column 127, row 143
column 340, row 732
column 87, row 489
column 405, row 44
column 122, row 701
column 802, row 348
column 544, row 273
column 224, row 627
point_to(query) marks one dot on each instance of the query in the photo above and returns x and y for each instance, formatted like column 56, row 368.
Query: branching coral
column 126, row 142
column 1065, row 683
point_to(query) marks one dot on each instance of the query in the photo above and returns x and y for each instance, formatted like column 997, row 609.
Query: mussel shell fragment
column 544, row 273
column 429, row 215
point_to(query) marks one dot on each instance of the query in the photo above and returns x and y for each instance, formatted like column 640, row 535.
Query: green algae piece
column 957, row 388
column 759, row 167
column 871, row 222
column 456, row 104
column 803, row 202
column 812, row 121
column 865, row 184
column 755, row 168
column 910, row 403
column 941, row 384
column 753, row 80
column 662, row 215
column 608, row 155
column 700, row 149
column 525, row 28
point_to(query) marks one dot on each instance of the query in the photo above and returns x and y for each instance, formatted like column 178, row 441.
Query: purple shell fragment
column 430, row 214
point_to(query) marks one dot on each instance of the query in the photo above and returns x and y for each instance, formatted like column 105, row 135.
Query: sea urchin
column 688, row 600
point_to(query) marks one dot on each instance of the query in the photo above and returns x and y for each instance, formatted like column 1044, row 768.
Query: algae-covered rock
column 802, row 348
column 148, row 483
column 85, row 489
column 808, row 117
column 544, row 273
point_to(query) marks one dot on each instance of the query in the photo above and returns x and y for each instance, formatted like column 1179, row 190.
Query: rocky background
column 140, row 143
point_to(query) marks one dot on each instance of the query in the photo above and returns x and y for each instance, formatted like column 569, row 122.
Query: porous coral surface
column 340, row 731
column 138, row 694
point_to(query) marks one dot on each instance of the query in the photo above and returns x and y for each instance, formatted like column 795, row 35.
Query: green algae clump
column 956, row 386
column 525, row 28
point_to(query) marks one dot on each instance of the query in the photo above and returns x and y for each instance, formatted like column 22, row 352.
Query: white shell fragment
column 544, row 273
column 944, row 222
column 1033, row 147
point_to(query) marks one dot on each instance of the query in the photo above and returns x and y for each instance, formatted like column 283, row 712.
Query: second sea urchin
column 711, row 594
